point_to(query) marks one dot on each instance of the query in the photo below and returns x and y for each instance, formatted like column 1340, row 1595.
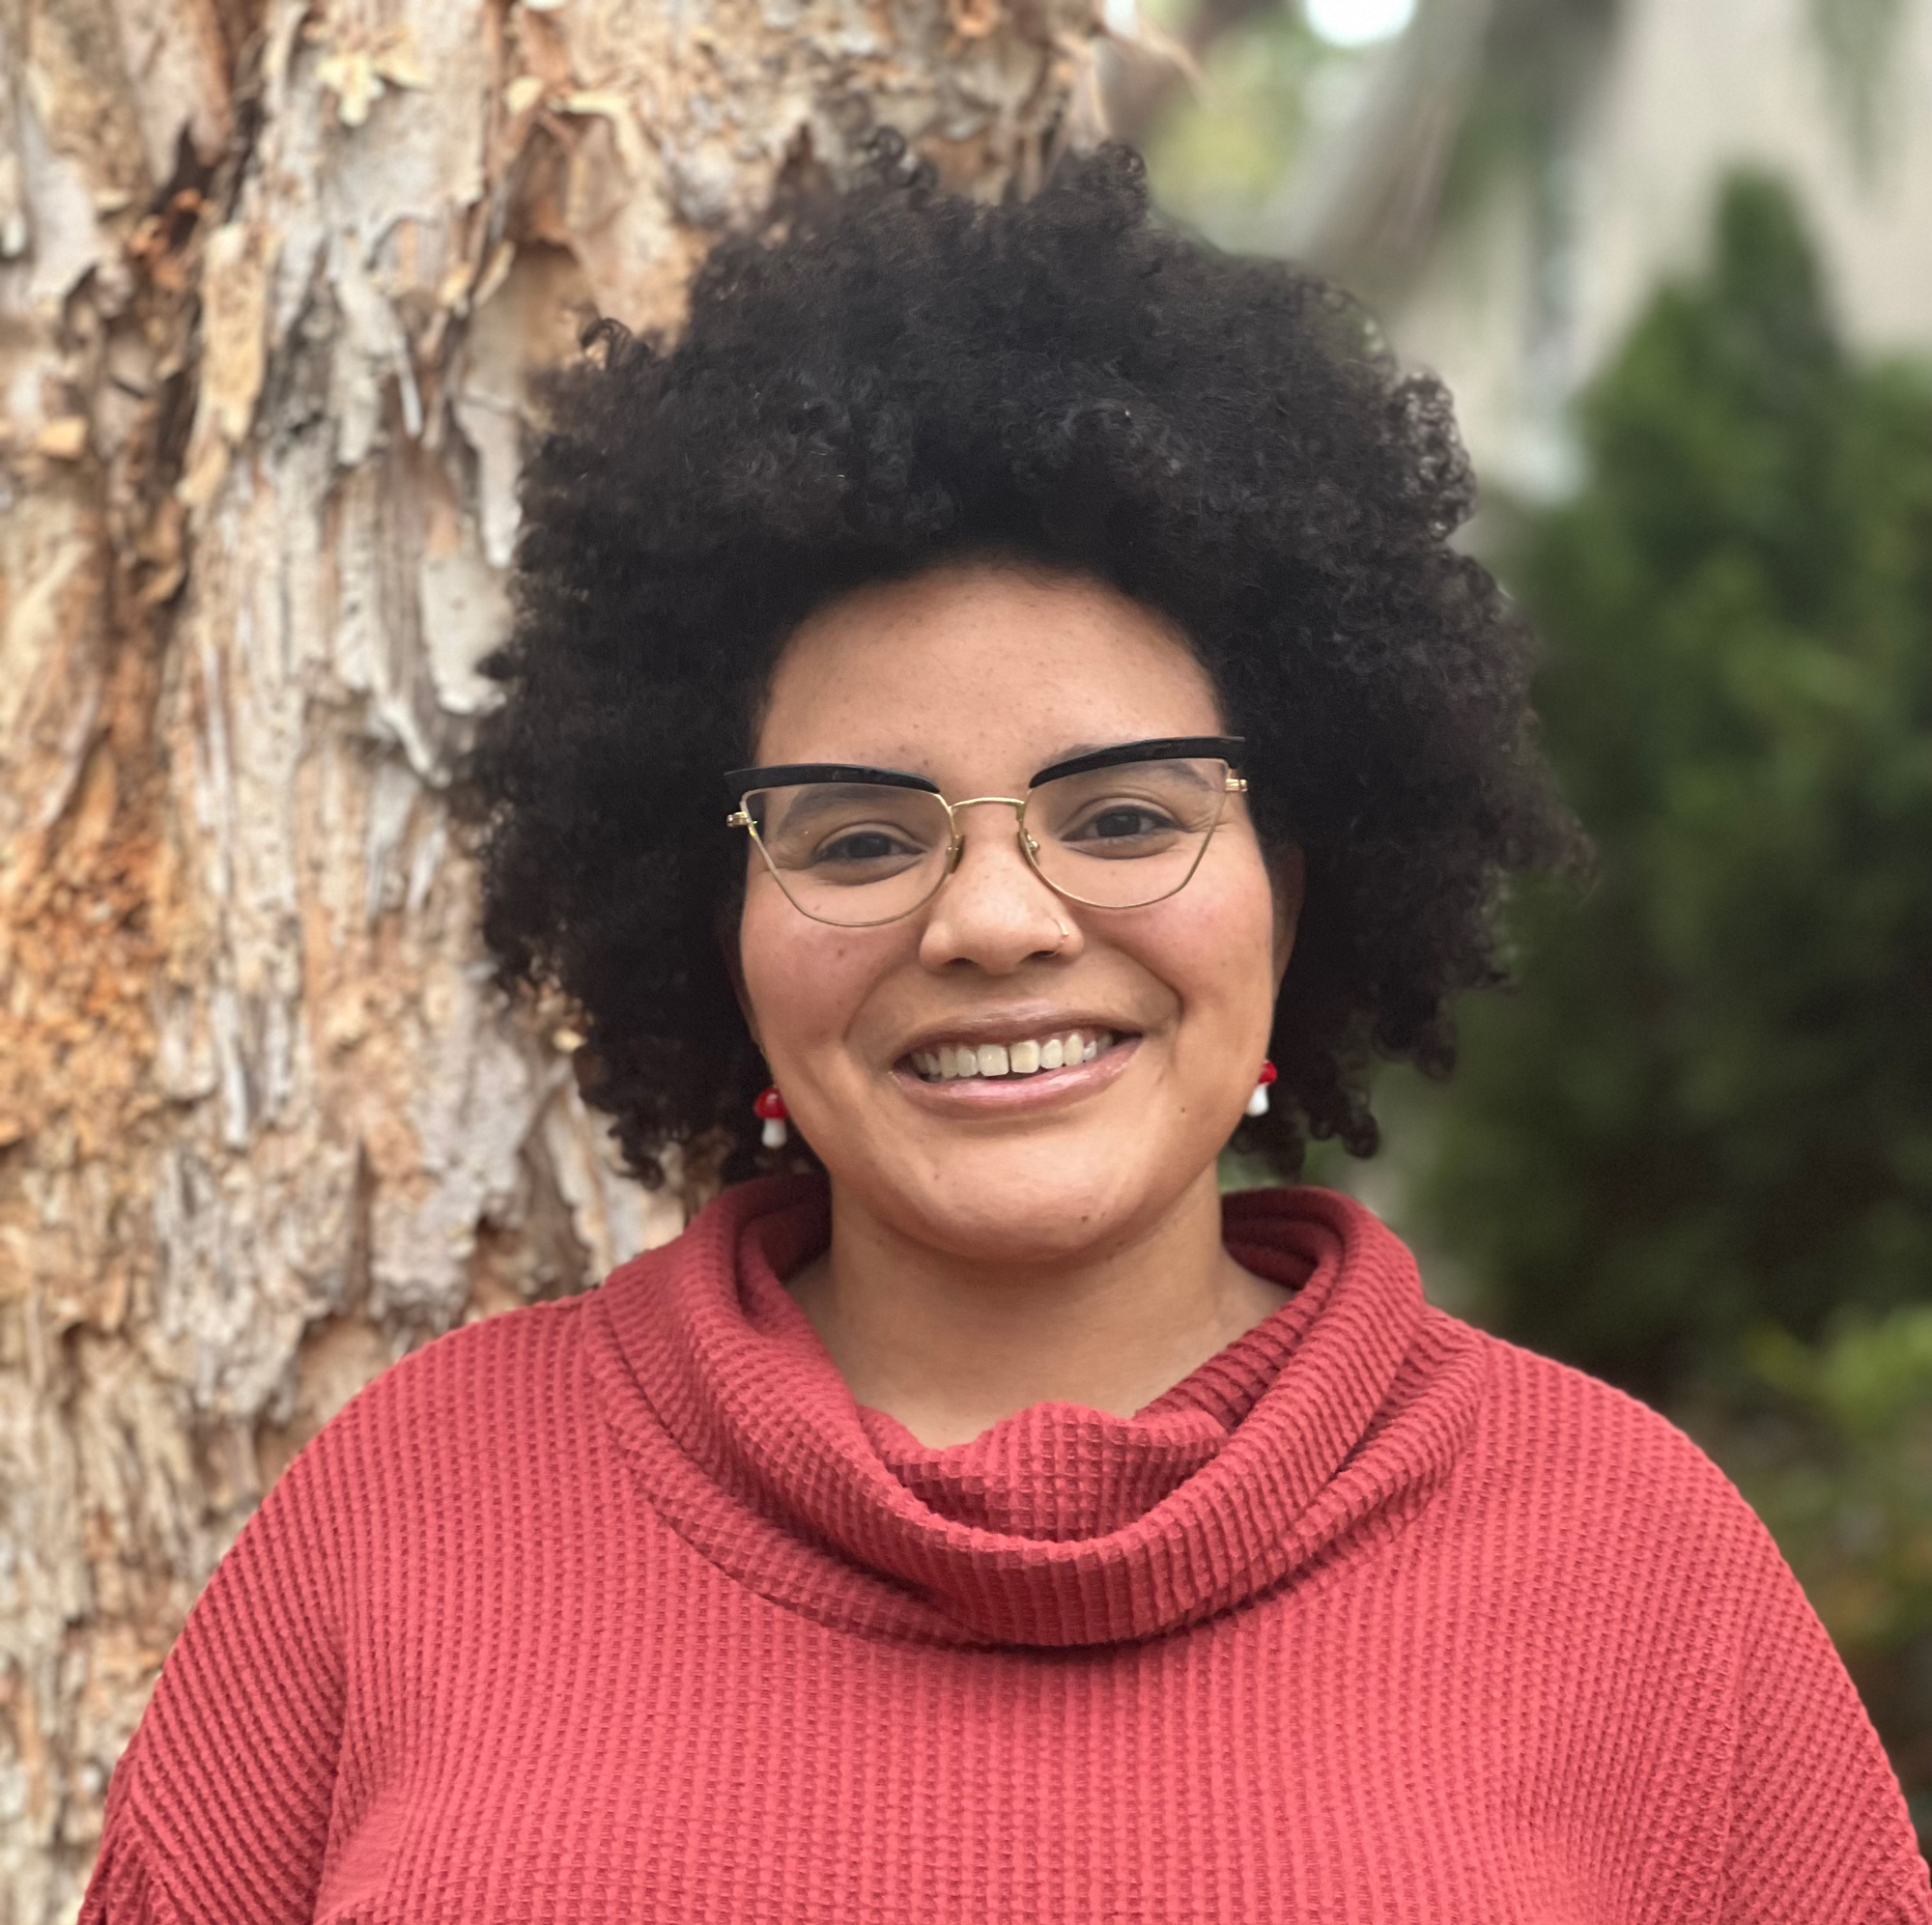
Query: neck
column 950, row 1345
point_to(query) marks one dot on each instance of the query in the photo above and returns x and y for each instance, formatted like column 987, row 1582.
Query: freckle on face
column 976, row 676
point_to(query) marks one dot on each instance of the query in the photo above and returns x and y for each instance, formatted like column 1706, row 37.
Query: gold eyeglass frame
column 745, row 784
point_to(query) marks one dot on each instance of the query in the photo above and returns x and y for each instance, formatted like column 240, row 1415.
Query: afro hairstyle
column 883, row 379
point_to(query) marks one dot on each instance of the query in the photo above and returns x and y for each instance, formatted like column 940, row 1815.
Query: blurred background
column 1674, row 260
column 280, row 281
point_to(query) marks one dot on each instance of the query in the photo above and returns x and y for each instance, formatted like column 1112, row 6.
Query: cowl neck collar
column 1331, row 1420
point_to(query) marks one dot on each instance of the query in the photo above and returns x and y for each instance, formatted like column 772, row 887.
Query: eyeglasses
column 1117, row 828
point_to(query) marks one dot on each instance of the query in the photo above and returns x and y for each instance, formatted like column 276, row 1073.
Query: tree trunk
column 276, row 278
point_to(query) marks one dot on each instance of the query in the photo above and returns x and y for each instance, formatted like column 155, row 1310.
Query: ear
column 1288, row 872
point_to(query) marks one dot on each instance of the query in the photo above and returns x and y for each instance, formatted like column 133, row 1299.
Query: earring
column 771, row 1106
column 1258, row 1103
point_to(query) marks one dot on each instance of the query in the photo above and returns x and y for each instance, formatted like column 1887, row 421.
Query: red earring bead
column 770, row 1107
column 1258, row 1103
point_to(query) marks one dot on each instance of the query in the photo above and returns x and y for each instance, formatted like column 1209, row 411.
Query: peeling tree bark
column 276, row 282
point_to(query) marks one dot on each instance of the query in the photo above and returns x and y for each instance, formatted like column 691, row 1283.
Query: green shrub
column 1710, row 1105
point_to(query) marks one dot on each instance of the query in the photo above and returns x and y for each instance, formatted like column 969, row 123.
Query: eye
column 1121, row 822
column 865, row 845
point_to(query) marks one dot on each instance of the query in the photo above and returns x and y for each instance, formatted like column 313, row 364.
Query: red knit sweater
column 620, row 1609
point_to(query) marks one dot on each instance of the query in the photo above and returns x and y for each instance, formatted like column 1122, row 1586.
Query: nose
column 993, row 911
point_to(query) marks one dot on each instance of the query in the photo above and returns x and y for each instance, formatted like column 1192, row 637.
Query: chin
column 1001, row 1210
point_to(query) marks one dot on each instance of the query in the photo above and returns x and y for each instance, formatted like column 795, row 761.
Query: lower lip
column 1007, row 1096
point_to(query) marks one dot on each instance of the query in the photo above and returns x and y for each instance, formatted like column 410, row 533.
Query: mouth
column 995, row 1075
column 1022, row 1056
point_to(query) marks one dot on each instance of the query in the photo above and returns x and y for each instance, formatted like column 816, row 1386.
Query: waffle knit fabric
column 620, row 1608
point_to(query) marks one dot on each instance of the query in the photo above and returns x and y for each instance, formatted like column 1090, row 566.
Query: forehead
column 980, row 673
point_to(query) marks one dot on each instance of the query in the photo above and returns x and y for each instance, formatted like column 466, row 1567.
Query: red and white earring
column 1258, row 1103
column 770, row 1106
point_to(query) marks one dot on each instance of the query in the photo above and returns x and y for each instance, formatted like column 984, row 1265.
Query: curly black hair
column 893, row 376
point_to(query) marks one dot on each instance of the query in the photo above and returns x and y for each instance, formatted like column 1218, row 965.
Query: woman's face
column 977, row 676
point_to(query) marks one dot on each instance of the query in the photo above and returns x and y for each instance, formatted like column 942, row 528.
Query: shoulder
column 1608, row 1484
column 505, row 1354
column 508, row 1354
column 1540, row 1411
column 496, row 1392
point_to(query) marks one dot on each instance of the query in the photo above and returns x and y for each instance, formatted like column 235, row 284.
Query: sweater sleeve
column 218, row 1810
column 1818, row 1831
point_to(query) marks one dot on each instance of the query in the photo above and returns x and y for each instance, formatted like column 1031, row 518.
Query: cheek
column 1217, row 952
column 805, row 981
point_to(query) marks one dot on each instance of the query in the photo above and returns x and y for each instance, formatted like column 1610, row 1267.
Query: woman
column 977, row 1517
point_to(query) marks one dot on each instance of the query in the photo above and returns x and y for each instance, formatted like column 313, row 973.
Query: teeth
column 1024, row 1058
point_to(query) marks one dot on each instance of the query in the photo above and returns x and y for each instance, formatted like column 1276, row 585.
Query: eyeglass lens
column 857, row 854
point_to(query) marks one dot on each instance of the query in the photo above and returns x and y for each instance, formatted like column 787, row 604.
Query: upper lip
column 1014, row 1027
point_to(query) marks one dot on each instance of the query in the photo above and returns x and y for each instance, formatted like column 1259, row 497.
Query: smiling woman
column 1128, row 908
column 1060, row 390
column 975, row 1516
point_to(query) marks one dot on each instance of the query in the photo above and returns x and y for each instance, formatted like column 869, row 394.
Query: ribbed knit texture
column 620, row 1609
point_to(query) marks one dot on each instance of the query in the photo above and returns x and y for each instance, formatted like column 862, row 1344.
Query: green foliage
column 1710, row 1105
column 1847, row 1486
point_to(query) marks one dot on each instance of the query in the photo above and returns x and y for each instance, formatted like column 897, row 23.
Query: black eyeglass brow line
column 1162, row 749
column 740, row 783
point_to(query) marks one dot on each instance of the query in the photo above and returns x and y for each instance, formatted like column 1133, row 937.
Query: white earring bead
column 774, row 1133
column 1258, row 1103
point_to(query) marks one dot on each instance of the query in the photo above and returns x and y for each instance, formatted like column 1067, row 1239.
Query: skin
column 984, row 1259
